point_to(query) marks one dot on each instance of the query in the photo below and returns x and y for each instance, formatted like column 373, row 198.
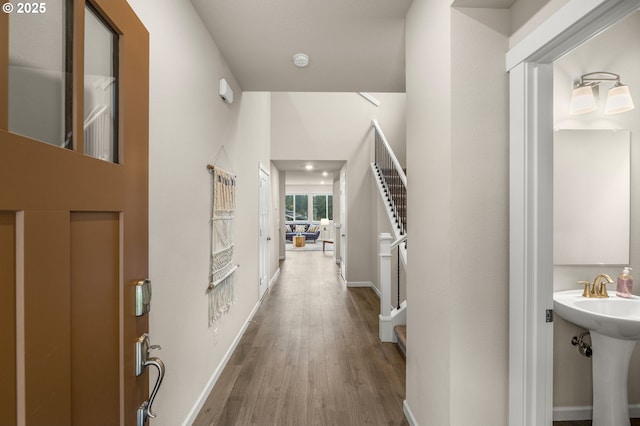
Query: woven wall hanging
column 220, row 290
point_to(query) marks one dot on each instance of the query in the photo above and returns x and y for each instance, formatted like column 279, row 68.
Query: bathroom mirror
column 591, row 200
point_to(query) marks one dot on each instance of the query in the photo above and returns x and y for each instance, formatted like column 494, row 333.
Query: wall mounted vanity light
column 583, row 99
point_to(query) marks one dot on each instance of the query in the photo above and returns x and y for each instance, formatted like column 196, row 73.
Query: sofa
column 310, row 231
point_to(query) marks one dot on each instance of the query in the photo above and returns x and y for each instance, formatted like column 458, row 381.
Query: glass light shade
column 582, row 100
column 618, row 100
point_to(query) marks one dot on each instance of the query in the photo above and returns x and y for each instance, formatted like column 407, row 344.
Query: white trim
column 375, row 289
column 370, row 98
column 585, row 412
column 573, row 24
column 531, row 245
column 386, row 324
column 408, row 414
column 264, row 246
column 357, row 284
column 274, row 278
column 385, row 328
column 191, row 417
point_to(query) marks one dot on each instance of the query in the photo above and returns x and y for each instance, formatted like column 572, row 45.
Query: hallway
column 311, row 356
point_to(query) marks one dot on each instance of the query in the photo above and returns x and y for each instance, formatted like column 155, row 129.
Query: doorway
column 343, row 222
column 531, row 205
column 264, row 237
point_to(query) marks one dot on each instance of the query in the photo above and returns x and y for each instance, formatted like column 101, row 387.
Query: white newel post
column 385, row 323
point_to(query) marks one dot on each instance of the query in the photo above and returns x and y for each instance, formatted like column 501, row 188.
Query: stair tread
column 401, row 332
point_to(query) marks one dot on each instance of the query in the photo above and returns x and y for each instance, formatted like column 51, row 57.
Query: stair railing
column 390, row 315
column 393, row 176
column 396, row 244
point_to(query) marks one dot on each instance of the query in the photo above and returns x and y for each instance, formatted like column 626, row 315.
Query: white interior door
column 264, row 237
column 343, row 229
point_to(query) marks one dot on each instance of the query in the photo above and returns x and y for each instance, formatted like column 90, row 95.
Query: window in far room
column 323, row 207
column 296, row 207
column 305, row 207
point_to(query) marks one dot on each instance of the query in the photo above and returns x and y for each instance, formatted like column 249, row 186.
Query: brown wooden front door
column 73, row 223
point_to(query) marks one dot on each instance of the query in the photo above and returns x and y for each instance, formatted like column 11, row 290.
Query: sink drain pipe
column 583, row 347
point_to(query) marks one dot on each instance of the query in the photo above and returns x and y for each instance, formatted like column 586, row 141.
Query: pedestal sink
column 614, row 324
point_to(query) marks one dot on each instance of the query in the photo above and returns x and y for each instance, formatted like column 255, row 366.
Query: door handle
column 268, row 238
column 143, row 360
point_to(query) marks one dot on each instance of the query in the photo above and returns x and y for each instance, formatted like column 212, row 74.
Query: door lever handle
column 146, row 406
column 143, row 360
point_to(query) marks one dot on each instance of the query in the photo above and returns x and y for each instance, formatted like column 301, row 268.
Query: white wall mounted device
column 225, row 91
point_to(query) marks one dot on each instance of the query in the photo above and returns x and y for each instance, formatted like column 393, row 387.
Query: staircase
column 391, row 181
column 401, row 333
column 392, row 184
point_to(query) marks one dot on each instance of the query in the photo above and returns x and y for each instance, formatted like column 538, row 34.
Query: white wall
column 617, row 50
column 188, row 125
column 457, row 149
column 337, row 126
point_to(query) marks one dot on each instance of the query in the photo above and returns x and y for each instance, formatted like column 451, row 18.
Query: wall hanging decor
column 220, row 289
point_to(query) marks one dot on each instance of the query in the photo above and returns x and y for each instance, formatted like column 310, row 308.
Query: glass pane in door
column 40, row 49
column 100, row 88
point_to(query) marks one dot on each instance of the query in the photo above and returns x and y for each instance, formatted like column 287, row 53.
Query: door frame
column 263, row 221
column 343, row 224
column 530, row 67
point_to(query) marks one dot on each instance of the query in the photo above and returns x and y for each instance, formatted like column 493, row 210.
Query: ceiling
column 354, row 45
column 488, row 4
column 297, row 174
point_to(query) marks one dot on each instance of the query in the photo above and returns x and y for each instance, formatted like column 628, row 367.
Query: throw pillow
column 301, row 228
column 313, row 228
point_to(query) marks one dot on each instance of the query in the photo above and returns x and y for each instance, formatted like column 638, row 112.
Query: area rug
column 309, row 246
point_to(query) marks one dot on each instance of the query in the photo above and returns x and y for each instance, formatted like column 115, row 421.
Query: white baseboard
column 275, row 277
column 359, row 284
column 585, row 412
column 218, row 371
column 375, row 289
column 408, row 414
column 369, row 284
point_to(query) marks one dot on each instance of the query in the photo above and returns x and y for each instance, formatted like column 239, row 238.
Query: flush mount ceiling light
column 301, row 60
column 583, row 99
column 308, row 167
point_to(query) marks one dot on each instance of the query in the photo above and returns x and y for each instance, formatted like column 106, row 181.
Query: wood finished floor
column 634, row 422
column 311, row 356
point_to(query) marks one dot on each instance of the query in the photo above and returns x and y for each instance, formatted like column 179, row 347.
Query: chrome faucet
column 597, row 289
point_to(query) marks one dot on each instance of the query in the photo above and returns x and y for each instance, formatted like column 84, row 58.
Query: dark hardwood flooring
column 311, row 356
column 634, row 422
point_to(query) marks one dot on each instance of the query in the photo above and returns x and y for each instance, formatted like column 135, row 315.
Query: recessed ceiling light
column 325, row 174
column 321, row 182
column 308, row 167
column 301, row 60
